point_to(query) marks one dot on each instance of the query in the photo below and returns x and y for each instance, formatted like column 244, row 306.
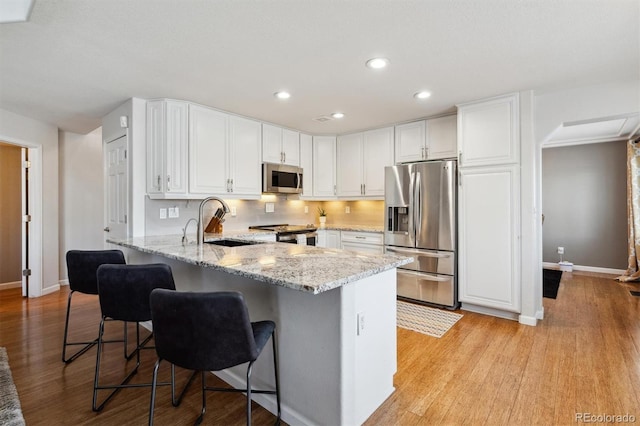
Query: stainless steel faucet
column 225, row 208
column 184, row 231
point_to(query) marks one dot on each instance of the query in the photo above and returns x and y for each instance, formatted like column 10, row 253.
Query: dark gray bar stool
column 124, row 292
column 82, row 266
column 209, row 332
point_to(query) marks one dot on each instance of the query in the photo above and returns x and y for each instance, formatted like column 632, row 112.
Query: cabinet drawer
column 362, row 237
column 362, row 248
column 438, row 289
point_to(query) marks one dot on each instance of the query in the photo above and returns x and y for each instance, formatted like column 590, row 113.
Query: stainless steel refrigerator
column 420, row 221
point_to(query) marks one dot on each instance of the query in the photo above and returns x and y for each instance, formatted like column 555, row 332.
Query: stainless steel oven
column 281, row 179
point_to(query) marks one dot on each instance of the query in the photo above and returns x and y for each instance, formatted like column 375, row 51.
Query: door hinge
column 26, row 164
column 26, row 218
column 125, row 218
column 125, row 154
column 26, row 272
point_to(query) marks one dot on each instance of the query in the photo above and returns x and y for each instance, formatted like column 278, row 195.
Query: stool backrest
column 124, row 290
column 202, row 331
column 82, row 266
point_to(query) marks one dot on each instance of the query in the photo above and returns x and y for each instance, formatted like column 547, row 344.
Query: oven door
column 279, row 178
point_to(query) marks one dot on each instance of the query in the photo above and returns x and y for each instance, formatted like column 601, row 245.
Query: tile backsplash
column 253, row 212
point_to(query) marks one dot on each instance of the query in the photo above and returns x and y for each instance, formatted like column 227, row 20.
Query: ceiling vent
column 323, row 119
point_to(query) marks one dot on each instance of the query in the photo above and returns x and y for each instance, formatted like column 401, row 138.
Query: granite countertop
column 355, row 228
column 299, row 267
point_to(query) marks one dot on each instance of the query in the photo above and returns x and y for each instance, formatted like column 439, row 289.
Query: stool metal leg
column 65, row 343
column 275, row 369
column 204, row 398
column 249, row 368
column 154, row 384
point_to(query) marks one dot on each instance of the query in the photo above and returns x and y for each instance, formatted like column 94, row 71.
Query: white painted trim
column 527, row 320
column 50, row 289
column 598, row 269
column 540, row 314
column 63, row 282
column 13, row 284
column 489, row 311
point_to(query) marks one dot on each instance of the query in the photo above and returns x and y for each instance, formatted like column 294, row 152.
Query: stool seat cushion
column 83, row 264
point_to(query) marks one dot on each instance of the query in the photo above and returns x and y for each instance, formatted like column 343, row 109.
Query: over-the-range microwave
column 281, row 179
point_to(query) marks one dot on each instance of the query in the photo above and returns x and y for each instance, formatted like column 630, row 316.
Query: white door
column 177, row 150
column 306, row 162
column 272, row 144
column 244, row 156
column 377, row 154
column 349, row 165
column 442, row 137
column 25, row 220
column 324, row 166
column 410, row 142
column 208, row 156
column 291, row 147
column 116, row 188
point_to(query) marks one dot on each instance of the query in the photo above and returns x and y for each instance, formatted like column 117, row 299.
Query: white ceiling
column 76, row 60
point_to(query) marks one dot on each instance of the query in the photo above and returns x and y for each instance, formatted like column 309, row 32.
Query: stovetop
column 284, row 228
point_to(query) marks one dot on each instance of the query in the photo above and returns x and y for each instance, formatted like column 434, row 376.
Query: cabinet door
column 377, row 149
column 244, row 156
column 349, row 165
column 442, row 137
column 489, row 132
column 333, row 239
column 155, row 146
column 324, row 166
column 291, row 147
column 208, row 134
column 489, row 253
column 306, row 162
column 410, row 142
column 177, row 147
column 271, row 144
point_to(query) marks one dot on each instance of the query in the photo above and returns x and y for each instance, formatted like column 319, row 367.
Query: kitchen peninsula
column 335, row 313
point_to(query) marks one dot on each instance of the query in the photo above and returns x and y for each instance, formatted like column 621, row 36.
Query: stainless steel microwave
column 281, row 179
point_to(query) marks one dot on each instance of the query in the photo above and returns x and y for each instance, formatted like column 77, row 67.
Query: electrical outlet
column 269, row 207
column 234, row 212
column 360, row 321
column 174, row 212
column 163, row 213
column 306, row 209
column 560, row 250
column 347, row 210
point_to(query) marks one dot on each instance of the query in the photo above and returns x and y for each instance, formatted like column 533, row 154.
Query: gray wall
column 584, row 203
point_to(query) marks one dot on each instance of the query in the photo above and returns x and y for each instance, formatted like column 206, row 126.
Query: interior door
column 116, row 188
column 26, row 219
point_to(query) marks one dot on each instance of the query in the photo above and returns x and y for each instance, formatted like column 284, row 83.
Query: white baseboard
column 63, row 282
column 540, row 314
column 489, row 311
column 13, row 284
column 527, row 320
column 50, row 289
column 598, row 269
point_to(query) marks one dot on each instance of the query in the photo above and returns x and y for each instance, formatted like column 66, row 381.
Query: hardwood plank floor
column 584, row 357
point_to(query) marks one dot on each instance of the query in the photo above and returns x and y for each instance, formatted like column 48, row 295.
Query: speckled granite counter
column 299, row 267
column 355, row 228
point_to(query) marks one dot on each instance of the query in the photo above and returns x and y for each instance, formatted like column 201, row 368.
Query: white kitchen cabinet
column 306, row 162
column 167, row 148
column 280, row 145
column 489, row 132
column 363, row 242
column 324, row 166
column 361, row 159
column 329, row 238
column 489, row 237
column 224, row 154
column 431, row 139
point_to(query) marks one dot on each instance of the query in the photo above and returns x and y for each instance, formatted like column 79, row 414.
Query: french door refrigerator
column 420, row 221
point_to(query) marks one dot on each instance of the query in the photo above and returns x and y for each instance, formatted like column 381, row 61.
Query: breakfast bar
column 335, row 313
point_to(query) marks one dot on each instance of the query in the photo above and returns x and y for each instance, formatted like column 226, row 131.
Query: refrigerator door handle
column 412, row 213
column 417, row 207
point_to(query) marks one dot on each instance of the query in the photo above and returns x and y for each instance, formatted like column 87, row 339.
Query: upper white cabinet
column 489, row 131
column 167, row 148
column 431, row 139
column 306, row 162
column 324, row 166
column 280, row 145
column 224, row 153
column 361, row 159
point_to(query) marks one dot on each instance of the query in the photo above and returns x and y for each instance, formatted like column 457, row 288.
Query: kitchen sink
column 232, row 243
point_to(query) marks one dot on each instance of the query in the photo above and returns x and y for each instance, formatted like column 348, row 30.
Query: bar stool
column 209, row 332
column 82, row 266
column 124, row 292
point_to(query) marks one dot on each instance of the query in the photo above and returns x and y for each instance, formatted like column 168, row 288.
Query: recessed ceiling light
column 422, row 95
column 282, row 95
column 377, row 63
column 337, row 115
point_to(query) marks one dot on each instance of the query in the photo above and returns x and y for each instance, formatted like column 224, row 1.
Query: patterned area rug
column 425, row 320
column 10, row 411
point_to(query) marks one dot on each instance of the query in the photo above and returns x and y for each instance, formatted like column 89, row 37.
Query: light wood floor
column 584, row 357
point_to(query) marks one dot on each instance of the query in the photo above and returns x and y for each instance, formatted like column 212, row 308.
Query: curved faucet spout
column 225, row 209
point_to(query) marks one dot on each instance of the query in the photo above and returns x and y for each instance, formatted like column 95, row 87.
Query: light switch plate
column 163, row 213
column 234, row 212
column 306, row 209
column 269, row 207
column 347, row 209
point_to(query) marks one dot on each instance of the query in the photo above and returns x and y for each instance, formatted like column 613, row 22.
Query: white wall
column 43, row 139
column 81, row 199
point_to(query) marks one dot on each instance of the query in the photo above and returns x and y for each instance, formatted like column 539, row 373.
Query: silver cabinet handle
column 459, row 158
column 158, row 182
column 364, row 189
column 426, row 152
column 168, row 182
column 106, row 229
column 335, row 190
column 284, row 157
column 231, row 185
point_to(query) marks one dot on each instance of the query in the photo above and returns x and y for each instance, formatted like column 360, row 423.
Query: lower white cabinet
column 489, row 237
column 328, row 238
column 364, row 242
